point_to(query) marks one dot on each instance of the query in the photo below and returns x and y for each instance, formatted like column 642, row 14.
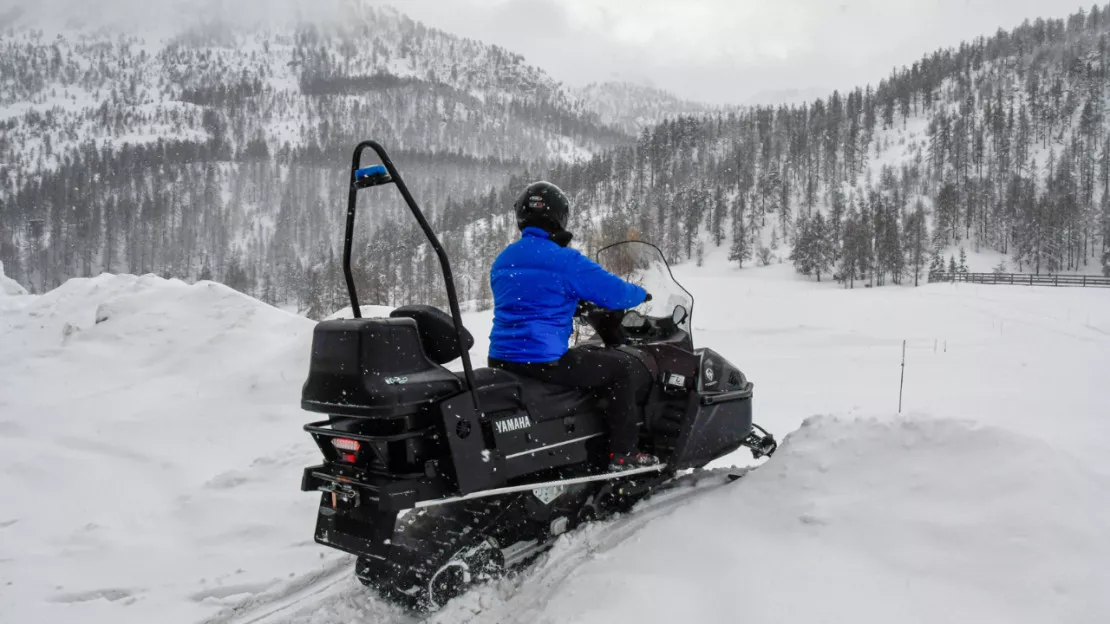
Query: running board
column 535, row 486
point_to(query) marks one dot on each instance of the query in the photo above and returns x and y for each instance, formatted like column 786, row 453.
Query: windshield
column 643, row 264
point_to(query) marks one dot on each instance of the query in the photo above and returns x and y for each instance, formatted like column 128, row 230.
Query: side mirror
column 679, row 315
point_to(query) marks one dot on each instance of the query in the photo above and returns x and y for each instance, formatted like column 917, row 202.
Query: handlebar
column 585, row 307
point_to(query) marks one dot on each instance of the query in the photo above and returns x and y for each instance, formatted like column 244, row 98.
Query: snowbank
column 151, row 447
column 915, row 520
column 8, row 286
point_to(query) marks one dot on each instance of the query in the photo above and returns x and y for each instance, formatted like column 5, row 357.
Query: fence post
column 903, row 379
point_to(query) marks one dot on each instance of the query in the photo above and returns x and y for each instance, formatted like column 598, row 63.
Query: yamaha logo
column 512, row 424
column 709, row 376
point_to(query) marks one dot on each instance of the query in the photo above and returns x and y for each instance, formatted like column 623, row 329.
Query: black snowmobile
column 437, row 479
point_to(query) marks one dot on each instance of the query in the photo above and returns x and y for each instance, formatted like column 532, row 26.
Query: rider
column 537, row 283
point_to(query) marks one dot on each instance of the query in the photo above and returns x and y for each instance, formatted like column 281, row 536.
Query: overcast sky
column 718, row 51
column 728, row 51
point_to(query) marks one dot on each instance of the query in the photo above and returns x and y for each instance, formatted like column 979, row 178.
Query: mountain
column 634, row 107
column 1000, row 145
column 219, row 148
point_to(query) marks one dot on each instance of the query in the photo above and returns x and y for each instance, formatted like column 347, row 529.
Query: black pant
column 617, row 376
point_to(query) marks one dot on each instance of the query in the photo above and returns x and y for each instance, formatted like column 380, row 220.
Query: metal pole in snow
column 901, row 382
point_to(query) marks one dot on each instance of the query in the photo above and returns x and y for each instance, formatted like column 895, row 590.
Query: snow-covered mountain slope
column 997, row 146
column 634, row 107
column 157, row 455
column 224, row 132
column 349, row 74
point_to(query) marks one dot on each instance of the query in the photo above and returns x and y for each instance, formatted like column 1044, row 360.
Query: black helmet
column 542, row 205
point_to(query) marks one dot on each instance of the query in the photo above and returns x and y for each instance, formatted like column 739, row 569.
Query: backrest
column 437, row 332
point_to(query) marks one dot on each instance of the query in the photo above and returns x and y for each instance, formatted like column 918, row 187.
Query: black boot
column 630, row 461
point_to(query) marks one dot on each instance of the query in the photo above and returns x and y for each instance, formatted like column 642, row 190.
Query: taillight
column 348, row 449
column 343, row 444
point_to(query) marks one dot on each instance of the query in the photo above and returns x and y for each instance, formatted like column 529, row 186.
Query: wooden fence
column 1022, row 279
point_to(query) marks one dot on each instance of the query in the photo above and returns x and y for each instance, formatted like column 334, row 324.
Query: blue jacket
column 536, row 286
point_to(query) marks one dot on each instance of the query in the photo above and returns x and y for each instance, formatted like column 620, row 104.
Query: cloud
column 730, row 50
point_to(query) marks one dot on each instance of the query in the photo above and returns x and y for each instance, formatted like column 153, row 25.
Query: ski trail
column 263, row 608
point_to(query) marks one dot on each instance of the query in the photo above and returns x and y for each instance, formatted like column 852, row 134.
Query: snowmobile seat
column 437, row 332
column 500, row 390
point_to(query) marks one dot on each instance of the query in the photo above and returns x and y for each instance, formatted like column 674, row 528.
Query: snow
column 148, row 426
column 365, row 311
column 157, row 458
column 911, row 520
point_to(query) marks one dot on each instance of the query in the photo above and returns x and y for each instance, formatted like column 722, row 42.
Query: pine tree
column 962, row 268
column 269, row 292
column 741, row 248
column 805, row 251
column 952, row 265
column 846, row 258
column 936, row 265
column 315, row 305
column 824, row 255
column 236, row 277
column 917, row 238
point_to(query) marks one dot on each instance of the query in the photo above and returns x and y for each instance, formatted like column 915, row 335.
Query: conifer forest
column 224, row 154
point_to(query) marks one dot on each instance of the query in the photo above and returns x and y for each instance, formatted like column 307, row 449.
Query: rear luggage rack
column 393, row 456
column 321, row 428
column 387, row 494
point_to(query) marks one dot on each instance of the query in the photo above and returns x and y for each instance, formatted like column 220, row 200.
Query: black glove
column 647, row 298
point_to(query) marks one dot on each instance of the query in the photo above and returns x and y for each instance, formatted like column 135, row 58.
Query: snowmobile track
column 313, row 593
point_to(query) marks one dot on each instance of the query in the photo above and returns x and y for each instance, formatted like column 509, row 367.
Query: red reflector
column 343, row 444
column 349, row 458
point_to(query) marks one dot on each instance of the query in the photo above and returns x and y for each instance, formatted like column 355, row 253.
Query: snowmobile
column 437, row 479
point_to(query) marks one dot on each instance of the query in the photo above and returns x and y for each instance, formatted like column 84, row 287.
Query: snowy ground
column 153, row 460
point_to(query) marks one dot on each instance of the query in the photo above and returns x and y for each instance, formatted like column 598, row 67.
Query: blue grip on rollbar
column 370, row 172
